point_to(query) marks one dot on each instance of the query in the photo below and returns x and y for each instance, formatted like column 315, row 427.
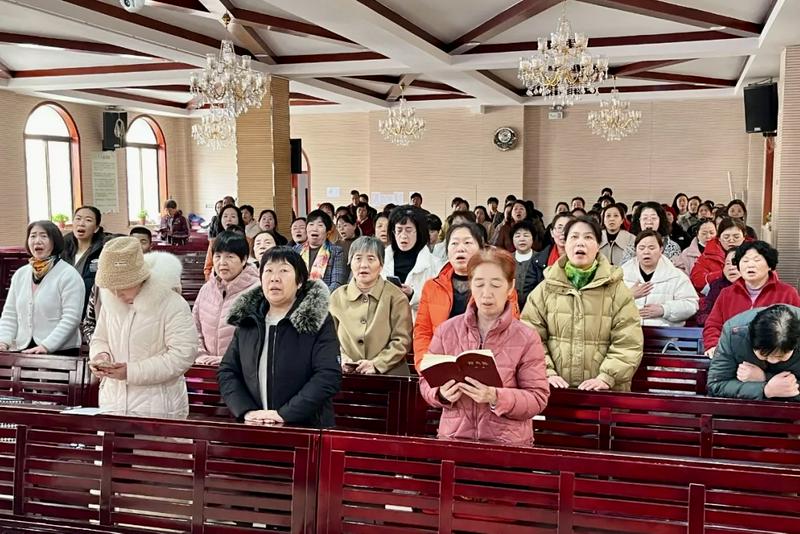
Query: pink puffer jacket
column 210, row 310
column 520, row 359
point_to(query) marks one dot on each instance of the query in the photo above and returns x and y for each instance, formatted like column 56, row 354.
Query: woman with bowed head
column 758, row 286
column 448, row 294
column 324, row 260
column 372, row 316
column 408, row 258
column 43, row 308
column 232, row 277
column 145, row 338
column 730, row 274
column 651, row 216
column 282, row 365
column 663, row 293
column 706, row 230
column 586, row 316
column 82, row 247
column 268, row 221
column 616, row 240
column 229, row 216
column 262, row 242
column 473, row 410
column 708, row 267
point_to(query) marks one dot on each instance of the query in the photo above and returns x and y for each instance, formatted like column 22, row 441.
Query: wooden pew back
column 43, row 378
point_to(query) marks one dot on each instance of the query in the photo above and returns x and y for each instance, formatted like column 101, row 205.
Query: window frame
column 161, row 157
column 73, row 138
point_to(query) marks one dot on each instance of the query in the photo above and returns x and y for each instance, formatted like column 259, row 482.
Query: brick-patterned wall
column 254, row 156
column 14, row 110
column 281, row 153
column 786, row 198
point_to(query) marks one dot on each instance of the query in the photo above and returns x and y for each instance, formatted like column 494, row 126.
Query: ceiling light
column 40, row 47
column 131, row 56
column 717, row 28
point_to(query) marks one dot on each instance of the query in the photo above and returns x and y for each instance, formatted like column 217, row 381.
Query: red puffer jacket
column 520, row 360
column 735, row 299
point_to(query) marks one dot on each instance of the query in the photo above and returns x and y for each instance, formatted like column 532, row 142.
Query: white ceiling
column 741, row 59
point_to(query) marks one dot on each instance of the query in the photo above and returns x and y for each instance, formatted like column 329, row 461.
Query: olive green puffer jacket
column 594, row 332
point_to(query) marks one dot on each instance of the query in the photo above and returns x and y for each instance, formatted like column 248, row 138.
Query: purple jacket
column 520, row 360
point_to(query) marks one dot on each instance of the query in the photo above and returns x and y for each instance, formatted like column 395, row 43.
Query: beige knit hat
column 121, row 264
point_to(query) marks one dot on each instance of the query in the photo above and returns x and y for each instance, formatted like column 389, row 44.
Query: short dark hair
column 319, row 215
column 579, row 212
column 762, row 247
column 416, row 195
column 473, row 228
column 524, row 225
column 348, row 218
column 232, row 242
column 727, row 223
column 492, row 199
column 226, row 207
column 578, row 198
column 595, row 226
column 623, row 207
column 736, row 202
column 98, row 217
column 644, row 234
column 610, row 191
column 274, row 215
column 455, row 201
column 327, row 205
column 298, row 219
column 562, row 203
column 464, row 214
column 605, row 197
column 171, row 204
column 53, row 234
column 235, row 228
column 248, row 208
column 663, row 223
column 364, row 195
column 434, row 222
column 409, row 214
column 775, row 329
column 362, row 205
column 557, row 216
column 141, row 230
column 285, row 255
column 354, row 192
column 511, row 198
column 611, row 207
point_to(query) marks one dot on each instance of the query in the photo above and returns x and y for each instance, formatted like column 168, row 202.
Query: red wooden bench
column 675, row 374
column 673, row 339
column 10, row 261
column 125, row 474
column 43, row 378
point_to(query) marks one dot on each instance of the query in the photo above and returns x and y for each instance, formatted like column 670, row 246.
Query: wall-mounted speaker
column 297, row 155
column 761, row 108
column 115, row 126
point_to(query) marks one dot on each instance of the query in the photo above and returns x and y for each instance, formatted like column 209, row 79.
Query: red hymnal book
column 478, row 364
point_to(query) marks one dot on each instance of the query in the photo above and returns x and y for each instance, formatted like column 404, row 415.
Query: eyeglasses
column 407, row 231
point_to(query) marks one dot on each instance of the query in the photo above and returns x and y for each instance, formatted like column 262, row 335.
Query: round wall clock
column 505, row 138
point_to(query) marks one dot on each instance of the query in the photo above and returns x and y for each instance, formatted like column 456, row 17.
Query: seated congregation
column 355, row 291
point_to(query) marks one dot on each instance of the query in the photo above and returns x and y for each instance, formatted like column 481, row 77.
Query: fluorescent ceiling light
column 40, row 47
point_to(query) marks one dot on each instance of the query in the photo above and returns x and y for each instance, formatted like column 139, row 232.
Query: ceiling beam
column 341, row 91
column 397, row 89
column 170, row 88
column 641, row 66
column 403, row 22
column 514, row 15
column 68, row 44
column 303, row 96
column 102, row 69
column 420, row 84
column 438, row 96
column 324, row 58
column 288, row 26
column 684, row 78
column 82, row 97
column 652, row 88
column 135, row 97
column 59, row 81
column 240, row 31
column 683, row 15
column 352, row 87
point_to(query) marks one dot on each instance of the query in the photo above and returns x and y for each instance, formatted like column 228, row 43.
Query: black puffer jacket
column 303, row 371
column 87, row 265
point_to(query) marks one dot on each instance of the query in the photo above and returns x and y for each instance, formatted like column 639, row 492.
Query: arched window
column 147, row 168
column 52, row 163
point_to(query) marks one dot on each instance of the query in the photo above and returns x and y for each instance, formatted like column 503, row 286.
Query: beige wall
column 681, row 146
column 14, row 110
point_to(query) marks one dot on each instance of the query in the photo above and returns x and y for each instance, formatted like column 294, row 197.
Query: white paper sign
column 104, row 182
column 333, row 192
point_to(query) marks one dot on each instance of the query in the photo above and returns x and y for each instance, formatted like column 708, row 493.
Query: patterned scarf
column 317, row 271
column 580, row 277
column 41, row 267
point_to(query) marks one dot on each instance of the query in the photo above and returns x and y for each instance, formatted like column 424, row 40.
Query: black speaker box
column 761, row 108
column 297, row 155
column 115, row 125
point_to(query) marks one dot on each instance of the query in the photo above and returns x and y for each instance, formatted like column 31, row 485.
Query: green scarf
column 580, row 277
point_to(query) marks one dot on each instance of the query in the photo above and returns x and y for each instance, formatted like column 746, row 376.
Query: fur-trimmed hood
column 165, row 267
column 307, row 315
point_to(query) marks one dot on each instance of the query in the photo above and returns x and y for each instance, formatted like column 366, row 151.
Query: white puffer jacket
column 671, row 288
column 157, row 338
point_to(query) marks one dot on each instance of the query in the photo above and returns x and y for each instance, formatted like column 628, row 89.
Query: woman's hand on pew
column 208, row 359
column 35, row 350
column 593, row 384
column 262, row 417
column 747, row 372
column 366, row 367
column 556, row 381
column 3, row 347
column 782, row 385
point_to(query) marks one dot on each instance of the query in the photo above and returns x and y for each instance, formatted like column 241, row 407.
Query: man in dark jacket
column 758, row 356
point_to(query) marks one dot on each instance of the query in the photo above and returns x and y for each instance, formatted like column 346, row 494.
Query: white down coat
column 671, row 288
column 157, row 338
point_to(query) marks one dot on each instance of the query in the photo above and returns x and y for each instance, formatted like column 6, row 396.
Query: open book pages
column 429, row 360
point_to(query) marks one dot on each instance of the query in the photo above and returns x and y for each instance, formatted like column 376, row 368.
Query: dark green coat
column 734, row 348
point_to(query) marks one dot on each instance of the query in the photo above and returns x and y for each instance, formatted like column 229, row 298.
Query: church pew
column 392, row 484
column 124, row 474
column 675, row 374
column 43, row 378
column 676, row 339
column 10, row 261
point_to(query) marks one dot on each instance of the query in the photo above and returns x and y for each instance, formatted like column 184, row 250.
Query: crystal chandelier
column 402, row 125
column 562, row 69
column 614, row 120
column 215, row 130
column 228, row 83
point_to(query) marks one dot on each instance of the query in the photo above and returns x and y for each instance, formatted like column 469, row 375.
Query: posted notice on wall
column 104, row 182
